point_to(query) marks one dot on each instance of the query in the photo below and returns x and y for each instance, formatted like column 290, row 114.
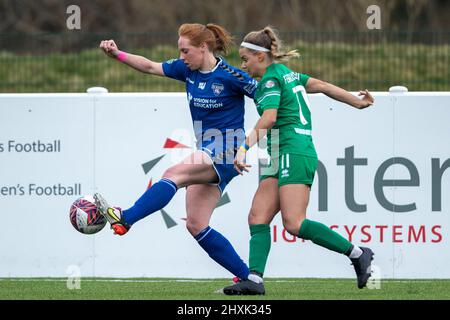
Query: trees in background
column 237, row 15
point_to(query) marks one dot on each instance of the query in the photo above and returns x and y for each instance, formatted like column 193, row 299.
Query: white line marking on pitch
column 205, row 280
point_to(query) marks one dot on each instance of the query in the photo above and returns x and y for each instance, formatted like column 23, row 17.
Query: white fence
column 383, row 181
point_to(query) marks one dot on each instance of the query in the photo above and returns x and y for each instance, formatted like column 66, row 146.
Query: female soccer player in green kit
column 282, row 103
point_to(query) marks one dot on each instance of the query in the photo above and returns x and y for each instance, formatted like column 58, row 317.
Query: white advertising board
column 383, row 182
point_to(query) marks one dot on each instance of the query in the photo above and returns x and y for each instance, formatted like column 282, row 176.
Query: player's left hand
column 367, row 99
column 239, row 162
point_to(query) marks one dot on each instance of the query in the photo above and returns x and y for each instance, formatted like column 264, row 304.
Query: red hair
column 217, row 38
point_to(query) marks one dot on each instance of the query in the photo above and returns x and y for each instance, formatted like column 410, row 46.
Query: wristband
column 121, row 56
column 243, row 149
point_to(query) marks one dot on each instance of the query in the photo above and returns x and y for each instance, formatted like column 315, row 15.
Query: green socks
column 317, row 232
column 323, row 236
column 259, row 247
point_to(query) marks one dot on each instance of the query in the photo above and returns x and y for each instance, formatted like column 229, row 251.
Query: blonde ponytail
column 268, row 39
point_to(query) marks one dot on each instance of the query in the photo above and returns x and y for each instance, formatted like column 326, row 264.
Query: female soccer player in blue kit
column 215, row 92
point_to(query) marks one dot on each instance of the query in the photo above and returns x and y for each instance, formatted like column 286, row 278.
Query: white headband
column 254, row 47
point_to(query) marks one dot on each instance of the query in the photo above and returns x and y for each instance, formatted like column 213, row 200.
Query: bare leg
column 266, row 202
column 195, row 169
column 200, row 203
column 294, row 199
column 201, row 200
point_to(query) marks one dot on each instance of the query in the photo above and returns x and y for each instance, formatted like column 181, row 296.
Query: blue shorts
column 222, row 156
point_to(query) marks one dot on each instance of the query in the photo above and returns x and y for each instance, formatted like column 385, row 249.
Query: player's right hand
column 110, row 48
column 239, row 162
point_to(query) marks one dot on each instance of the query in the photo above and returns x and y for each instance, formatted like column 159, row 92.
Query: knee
column 260, row 216
column 175, row 175
column 253, row 217
column 292, row 225
column 195, row 226
column 170, row 173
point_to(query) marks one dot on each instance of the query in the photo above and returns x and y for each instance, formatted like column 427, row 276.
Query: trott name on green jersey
column 290, row 77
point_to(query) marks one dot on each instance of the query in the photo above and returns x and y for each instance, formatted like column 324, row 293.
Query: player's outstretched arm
column 339, row 94
column 139, row 63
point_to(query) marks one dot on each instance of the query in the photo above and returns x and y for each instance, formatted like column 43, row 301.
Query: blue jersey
column 216, row 97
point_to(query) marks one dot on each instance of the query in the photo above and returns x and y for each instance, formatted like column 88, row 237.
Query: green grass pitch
column 206, row 289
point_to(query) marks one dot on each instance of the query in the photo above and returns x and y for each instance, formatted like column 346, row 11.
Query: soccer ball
column 85, row 217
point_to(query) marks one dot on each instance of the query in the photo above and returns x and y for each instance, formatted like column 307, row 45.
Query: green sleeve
column 304, row 79
column 270, row 95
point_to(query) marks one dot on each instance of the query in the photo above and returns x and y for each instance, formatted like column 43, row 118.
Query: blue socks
column 221, row 251
column 215, row 244
column 154, row 199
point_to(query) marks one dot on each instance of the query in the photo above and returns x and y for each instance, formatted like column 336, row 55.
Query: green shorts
column 293, row 169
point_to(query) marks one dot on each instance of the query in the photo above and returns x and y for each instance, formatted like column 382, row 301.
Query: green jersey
column 281, row 88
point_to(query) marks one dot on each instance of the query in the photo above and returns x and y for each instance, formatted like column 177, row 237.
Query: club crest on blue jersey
column 217, row 88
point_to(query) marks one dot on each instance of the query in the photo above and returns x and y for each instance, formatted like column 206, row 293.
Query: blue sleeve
column 175, row 69
column 244, row 84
